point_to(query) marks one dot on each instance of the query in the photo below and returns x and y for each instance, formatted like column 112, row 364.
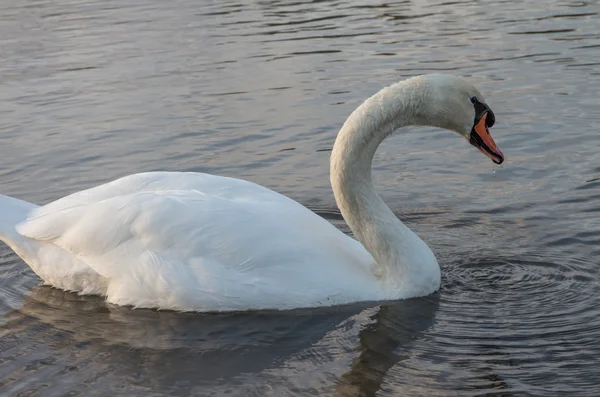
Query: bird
column 189, row 241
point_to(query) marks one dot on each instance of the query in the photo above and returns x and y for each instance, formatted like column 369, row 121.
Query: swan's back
column 229, row 188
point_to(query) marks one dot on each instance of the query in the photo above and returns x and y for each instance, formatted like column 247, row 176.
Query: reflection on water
column 92, row 90
column 90, row 345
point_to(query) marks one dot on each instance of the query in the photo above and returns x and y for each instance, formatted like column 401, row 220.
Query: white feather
column 199, row 242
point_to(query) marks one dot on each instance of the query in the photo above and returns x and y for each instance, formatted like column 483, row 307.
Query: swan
column 190, row 241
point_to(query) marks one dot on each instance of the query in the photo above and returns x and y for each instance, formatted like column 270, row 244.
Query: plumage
column 199, row 242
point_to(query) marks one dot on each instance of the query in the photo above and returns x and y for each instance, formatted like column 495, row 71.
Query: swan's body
column 192, row 241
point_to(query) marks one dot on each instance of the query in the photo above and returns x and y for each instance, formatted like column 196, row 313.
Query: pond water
column 94, row 90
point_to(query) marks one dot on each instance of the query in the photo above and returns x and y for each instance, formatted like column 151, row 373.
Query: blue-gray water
column 93, row 90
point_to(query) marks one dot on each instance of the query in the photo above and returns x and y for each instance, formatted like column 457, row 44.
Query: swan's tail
column 51, row 263
column 12, row 212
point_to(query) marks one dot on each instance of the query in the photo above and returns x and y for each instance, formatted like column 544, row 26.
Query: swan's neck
column 395, row 248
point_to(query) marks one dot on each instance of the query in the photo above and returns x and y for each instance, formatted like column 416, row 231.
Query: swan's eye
column 473, row 100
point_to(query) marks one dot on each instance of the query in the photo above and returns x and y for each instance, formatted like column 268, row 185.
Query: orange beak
column 482, row 140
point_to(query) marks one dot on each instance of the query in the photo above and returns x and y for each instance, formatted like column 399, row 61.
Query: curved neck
column 389, row 241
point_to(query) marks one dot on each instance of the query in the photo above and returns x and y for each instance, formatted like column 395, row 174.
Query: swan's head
column 455, row 104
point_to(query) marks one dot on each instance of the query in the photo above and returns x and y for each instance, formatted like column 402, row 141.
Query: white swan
column 198, row 242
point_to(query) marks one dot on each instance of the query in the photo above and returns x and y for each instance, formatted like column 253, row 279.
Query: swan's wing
column 167, row 248
column 161, row 181
column 157, row 221
column 194, row 214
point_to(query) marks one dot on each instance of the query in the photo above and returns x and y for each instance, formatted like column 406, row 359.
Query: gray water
column 94, row 90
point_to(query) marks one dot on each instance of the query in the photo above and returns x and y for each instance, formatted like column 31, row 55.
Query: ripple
column 514, row 314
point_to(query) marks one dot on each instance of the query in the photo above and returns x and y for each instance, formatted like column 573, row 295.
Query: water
column 94, row 90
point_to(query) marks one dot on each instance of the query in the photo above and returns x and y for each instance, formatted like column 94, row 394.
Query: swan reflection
column 343, row 350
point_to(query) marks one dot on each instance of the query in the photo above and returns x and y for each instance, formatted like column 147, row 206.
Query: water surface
column 94, row 90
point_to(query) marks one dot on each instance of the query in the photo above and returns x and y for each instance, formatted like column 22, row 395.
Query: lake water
column 94, row 90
